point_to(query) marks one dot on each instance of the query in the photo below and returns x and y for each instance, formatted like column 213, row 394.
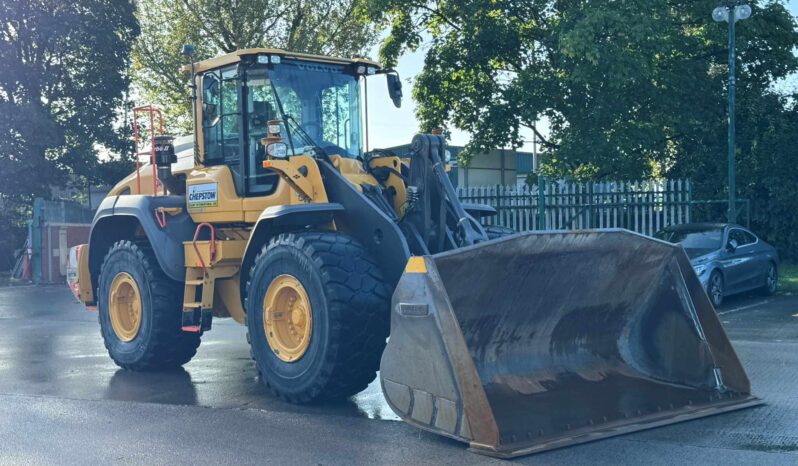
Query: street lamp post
column 731, row 12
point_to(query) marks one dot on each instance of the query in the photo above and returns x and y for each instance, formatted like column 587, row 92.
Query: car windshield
column 696, row 242
column 321, row 99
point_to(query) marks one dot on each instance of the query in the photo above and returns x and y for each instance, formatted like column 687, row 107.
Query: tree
column 63, row 74
column 330, row 27
column 630, row 89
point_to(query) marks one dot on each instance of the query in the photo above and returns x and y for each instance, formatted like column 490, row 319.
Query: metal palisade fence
column 642, row 206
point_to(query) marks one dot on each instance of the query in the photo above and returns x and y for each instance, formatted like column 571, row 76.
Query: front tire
column 140, row 311
column 715, row 289
column 771, row 280
column 318, row 313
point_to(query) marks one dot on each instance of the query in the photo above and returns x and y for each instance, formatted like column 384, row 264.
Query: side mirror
column 394, row 88
column 732, row 245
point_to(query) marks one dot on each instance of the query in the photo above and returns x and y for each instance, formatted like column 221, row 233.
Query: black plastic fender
column 280, row 219
column 120, row 217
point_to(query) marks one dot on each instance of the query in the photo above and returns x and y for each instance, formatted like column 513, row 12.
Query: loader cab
column 316, row 99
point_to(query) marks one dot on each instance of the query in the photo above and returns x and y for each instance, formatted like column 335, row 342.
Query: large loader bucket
column 544, row 340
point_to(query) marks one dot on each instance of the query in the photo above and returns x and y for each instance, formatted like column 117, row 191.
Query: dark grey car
column 727, row 258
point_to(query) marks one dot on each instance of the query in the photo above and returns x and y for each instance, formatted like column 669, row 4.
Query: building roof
column 235, row 57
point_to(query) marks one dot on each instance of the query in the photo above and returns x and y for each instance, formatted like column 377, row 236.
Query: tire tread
column 169, row 347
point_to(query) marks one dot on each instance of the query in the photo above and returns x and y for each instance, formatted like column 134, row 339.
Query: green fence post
column 36, row 239
column 541, row 203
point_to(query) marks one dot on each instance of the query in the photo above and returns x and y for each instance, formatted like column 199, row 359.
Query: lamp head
column 187, row 50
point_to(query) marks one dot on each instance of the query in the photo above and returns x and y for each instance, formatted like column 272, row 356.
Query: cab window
column 261, row 107
column 337, row 116
column 220, row 118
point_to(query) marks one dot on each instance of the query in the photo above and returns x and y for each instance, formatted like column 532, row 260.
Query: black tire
column 160, row 343
column 715, row 288
column 350, row 308
column 494, row 232
column 771, row 280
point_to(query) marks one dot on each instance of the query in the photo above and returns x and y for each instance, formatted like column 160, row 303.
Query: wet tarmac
column 62, row 399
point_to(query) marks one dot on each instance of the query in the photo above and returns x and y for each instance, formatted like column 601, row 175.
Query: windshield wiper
column 308, row 140
column 285, row 117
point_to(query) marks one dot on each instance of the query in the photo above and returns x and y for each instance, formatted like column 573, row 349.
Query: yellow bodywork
column 213, row 282
column 235, row 57
column 207, row 272
column 84, row 287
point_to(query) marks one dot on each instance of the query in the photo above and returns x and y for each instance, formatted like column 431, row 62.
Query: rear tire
column 771, row 280
column 715, row 289
column 494, row 231
column 157, row 341
column 349, row 305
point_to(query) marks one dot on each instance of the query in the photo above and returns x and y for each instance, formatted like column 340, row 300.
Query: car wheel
column 715, row 289
column 771, row 280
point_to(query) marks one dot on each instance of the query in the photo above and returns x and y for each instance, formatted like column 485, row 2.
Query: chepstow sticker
column 203, row 195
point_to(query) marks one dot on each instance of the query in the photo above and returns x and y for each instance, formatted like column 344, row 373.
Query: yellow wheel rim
column 125, row 307
column 287, row 318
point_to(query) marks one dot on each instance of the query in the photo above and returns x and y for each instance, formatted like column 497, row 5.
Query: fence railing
column 643, row 206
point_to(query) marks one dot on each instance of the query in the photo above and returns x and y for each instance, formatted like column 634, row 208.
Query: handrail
column 212, row 247
column 152, row 112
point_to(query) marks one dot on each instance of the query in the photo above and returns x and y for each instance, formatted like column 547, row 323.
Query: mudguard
column 119, row 217
column 277, row 219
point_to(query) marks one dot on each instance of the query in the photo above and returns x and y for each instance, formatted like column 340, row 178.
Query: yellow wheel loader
column 273, row 214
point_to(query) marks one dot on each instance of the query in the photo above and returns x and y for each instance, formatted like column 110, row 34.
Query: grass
column 788, row 278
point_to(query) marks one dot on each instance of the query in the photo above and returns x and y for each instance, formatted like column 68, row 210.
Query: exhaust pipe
column 164, row 158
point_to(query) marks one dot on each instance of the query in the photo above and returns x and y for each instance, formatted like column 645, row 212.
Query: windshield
column 321, row 99
column 696, row 242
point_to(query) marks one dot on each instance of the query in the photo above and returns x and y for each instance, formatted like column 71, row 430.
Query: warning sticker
column 203, row 195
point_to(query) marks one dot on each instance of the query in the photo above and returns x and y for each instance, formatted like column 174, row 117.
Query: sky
column 390, row 126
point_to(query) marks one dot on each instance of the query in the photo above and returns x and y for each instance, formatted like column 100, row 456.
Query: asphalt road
column 62, row 400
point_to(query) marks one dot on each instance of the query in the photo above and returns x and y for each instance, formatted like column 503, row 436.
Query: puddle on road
column 371, row 403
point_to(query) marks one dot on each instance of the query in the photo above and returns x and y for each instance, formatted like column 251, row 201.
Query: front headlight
column 699, row 269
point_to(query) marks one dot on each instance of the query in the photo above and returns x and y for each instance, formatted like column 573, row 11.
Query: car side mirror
column 732, row 245
column 394, row 88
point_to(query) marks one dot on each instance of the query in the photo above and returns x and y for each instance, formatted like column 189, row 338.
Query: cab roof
column 235, row 57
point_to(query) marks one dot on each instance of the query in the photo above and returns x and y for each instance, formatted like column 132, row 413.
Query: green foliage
column 788, row 278
column 630, row 89
column 63, row 73
column 330, row 27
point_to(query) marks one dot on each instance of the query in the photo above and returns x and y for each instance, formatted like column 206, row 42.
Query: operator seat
column 261, row 113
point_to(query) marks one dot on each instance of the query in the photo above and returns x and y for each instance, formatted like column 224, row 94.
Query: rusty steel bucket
column 543, row 340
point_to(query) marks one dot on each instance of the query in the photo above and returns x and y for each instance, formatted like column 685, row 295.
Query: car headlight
column 699, row 269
